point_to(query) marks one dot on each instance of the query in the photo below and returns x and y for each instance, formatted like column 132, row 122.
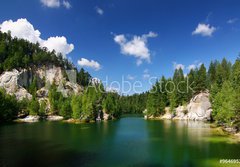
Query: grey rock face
column 199, row 107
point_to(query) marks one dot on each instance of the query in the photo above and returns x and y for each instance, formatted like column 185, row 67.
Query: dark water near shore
column 130, row 141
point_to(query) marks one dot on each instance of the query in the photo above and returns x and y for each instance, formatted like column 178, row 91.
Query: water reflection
column 126, row 142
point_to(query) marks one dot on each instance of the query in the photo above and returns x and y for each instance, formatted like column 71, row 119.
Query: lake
column 130, row 141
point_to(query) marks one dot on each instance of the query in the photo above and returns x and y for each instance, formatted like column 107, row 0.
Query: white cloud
column 139, row 62
column 21, row 29
column 91, row 64
column 67, row 4
column 146, row 74
column 120, row 39
column 204, row 30
column 130, row 77
column 233, row 20
column 195, row 65
column 178, row 66
column 99, row 10
column 59, row 44
column 51, row 3
column 25, row 30
column 191, row 67
column 136, row 47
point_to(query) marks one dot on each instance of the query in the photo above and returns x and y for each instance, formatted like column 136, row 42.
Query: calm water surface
column 130, row 141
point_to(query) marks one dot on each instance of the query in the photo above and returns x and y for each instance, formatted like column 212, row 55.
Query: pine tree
column 223, row 102
column 66, row 110
column 33, row 107
column 76, row 105
column 201, row 80
column 212, row 73
column 226, row 66
column 33, row 86
column 42, row 108
column 235, row 79
column 191, row 87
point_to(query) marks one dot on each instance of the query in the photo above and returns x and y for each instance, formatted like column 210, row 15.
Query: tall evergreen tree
column 201, row 80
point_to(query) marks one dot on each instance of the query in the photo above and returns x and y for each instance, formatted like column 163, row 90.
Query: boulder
column 22, row 93
column 54, row 118
column 41, row 93
column 199, row 107
column 181, row 113
column 168, row 114
column 30, row 119
column 69, row 88
column 9, row 81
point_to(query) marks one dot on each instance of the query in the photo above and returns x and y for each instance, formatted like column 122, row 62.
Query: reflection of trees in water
column 181, row 143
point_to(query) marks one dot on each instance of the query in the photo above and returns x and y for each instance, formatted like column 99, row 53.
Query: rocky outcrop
column 9, row 81
column 30, row 119
column 199, row 107
column 181, row 113
column 69, row 88
column 54, row 118
column 168, row 114
column 43, row 92
column 15, row 82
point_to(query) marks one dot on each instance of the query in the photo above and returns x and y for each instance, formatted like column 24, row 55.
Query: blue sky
column 93, row 25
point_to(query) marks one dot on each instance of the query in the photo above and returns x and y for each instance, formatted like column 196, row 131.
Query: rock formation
column 15, row 83
column 9, row 81
column 199, row 108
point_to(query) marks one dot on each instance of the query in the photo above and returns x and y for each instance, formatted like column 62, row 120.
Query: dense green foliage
column 9, row 107
column 225, row 93
column 222, row 80
column 19, row 53
column 134, row 104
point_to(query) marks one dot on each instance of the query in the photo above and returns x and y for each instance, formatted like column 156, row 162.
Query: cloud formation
column 136, row 47
column 25, row 30
column 191, row 67
column 56, row 3
column 67, row 4
column 233, row 20
column 59, row 44
column 195, row 65
column 99, row 10
column 130, row 77
column 178, row 66
column 89, row 63
column 51, row 3
column 146, row 74
column 204, row 30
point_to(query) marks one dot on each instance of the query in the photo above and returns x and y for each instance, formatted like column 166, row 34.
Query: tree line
column 20, row 54
column 222, row 80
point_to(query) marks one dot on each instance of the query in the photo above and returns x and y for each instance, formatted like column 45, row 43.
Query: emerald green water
column 130, row 141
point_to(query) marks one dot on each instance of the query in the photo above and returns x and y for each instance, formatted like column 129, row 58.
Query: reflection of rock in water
column 194, row 130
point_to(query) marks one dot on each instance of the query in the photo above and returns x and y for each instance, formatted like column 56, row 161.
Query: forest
column 221, row 79
column 20, row 54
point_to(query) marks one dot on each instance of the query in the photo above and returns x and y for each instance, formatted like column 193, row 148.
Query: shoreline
column 221, row 129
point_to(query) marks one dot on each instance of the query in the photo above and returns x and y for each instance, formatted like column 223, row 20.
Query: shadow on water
column 31, row 153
